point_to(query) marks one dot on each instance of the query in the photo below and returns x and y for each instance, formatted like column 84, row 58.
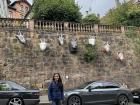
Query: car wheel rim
column 15, row 101
column 123, row 100
column 74, row 100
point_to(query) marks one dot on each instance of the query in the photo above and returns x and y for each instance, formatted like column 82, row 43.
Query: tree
column 91, row 18
column 133, row 15
column 125, row 14
column 57, row 10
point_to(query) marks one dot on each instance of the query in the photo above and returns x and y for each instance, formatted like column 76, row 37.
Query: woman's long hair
column 60, row 84
column 59, row 80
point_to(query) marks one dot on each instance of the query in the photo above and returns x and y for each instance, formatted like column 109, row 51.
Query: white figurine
column 74, row 43
column 43, row 45
column 107, row 47
column 21, row 38
column 91, row 40
column 61, row 39
column 120, row 56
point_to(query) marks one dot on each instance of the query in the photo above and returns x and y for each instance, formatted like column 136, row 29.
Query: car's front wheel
column 123, row 100
column 74, row 100
column 15, row 101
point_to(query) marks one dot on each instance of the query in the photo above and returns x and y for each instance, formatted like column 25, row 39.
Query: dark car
column 99, row 92
column 12, row 93
column 136, row 95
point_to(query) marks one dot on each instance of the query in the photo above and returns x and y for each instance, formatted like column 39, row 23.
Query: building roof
column 10, row 7
column 8, row 1
column 17, row 1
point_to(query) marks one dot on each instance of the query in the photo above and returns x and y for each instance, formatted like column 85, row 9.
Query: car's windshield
column 84, row 85
column 16, row 86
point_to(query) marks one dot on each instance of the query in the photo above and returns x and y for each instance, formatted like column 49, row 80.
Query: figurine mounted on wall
column 120, row 56
column 73, row 45
column 61, row 39
column 106, row 48
column 21, row 38
column 91, row 40
column 43, row 45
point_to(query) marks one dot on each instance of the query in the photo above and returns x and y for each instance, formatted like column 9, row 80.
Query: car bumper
column 31, row 101
column 136, row 99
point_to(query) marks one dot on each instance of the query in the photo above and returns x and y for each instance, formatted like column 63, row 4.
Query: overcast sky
column 94, row 6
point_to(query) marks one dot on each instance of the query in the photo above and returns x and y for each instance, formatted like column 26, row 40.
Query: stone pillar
column 31, row 27
column 66, row 25
column 31, row 24
column 96, row 28
column 123, row 30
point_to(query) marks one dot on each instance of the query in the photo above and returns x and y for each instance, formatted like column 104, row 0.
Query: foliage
column 91, row 18
column 131, row 33
column 0, row 87
column 125, row 14
column 57, row 10
column 3, row 87
column 90, row 53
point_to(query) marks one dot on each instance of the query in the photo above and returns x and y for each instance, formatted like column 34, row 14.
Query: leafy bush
column 131, row 33
column 91, row 18
column 90, row 53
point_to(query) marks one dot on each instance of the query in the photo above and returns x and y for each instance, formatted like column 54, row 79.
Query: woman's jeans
column 56, row 102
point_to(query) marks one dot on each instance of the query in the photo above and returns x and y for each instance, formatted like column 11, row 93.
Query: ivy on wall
column 90, row 53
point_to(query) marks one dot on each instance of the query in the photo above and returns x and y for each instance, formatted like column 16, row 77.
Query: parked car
column 98, row 92
column 12, row 93
column 136, row 95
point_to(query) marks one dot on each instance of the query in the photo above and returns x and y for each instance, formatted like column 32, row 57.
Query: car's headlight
column 65, row 94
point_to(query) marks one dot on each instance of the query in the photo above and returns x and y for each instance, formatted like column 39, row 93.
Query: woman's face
column 56, row 77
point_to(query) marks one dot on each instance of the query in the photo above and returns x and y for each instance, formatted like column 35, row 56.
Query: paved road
column 44, row 101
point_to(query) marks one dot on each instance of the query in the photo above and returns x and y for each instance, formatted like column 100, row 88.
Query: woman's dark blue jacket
column 55, row 91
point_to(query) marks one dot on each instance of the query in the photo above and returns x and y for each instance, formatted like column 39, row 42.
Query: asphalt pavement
column 44, row 101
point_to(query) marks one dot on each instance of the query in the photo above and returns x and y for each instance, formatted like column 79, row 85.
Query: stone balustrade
column 61, row 26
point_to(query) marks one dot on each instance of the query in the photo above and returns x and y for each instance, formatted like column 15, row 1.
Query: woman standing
column 55, row 90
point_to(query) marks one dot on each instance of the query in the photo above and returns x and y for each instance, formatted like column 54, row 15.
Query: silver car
column 99, row 92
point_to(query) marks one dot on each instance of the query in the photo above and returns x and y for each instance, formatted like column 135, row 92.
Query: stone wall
column 27, row 64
